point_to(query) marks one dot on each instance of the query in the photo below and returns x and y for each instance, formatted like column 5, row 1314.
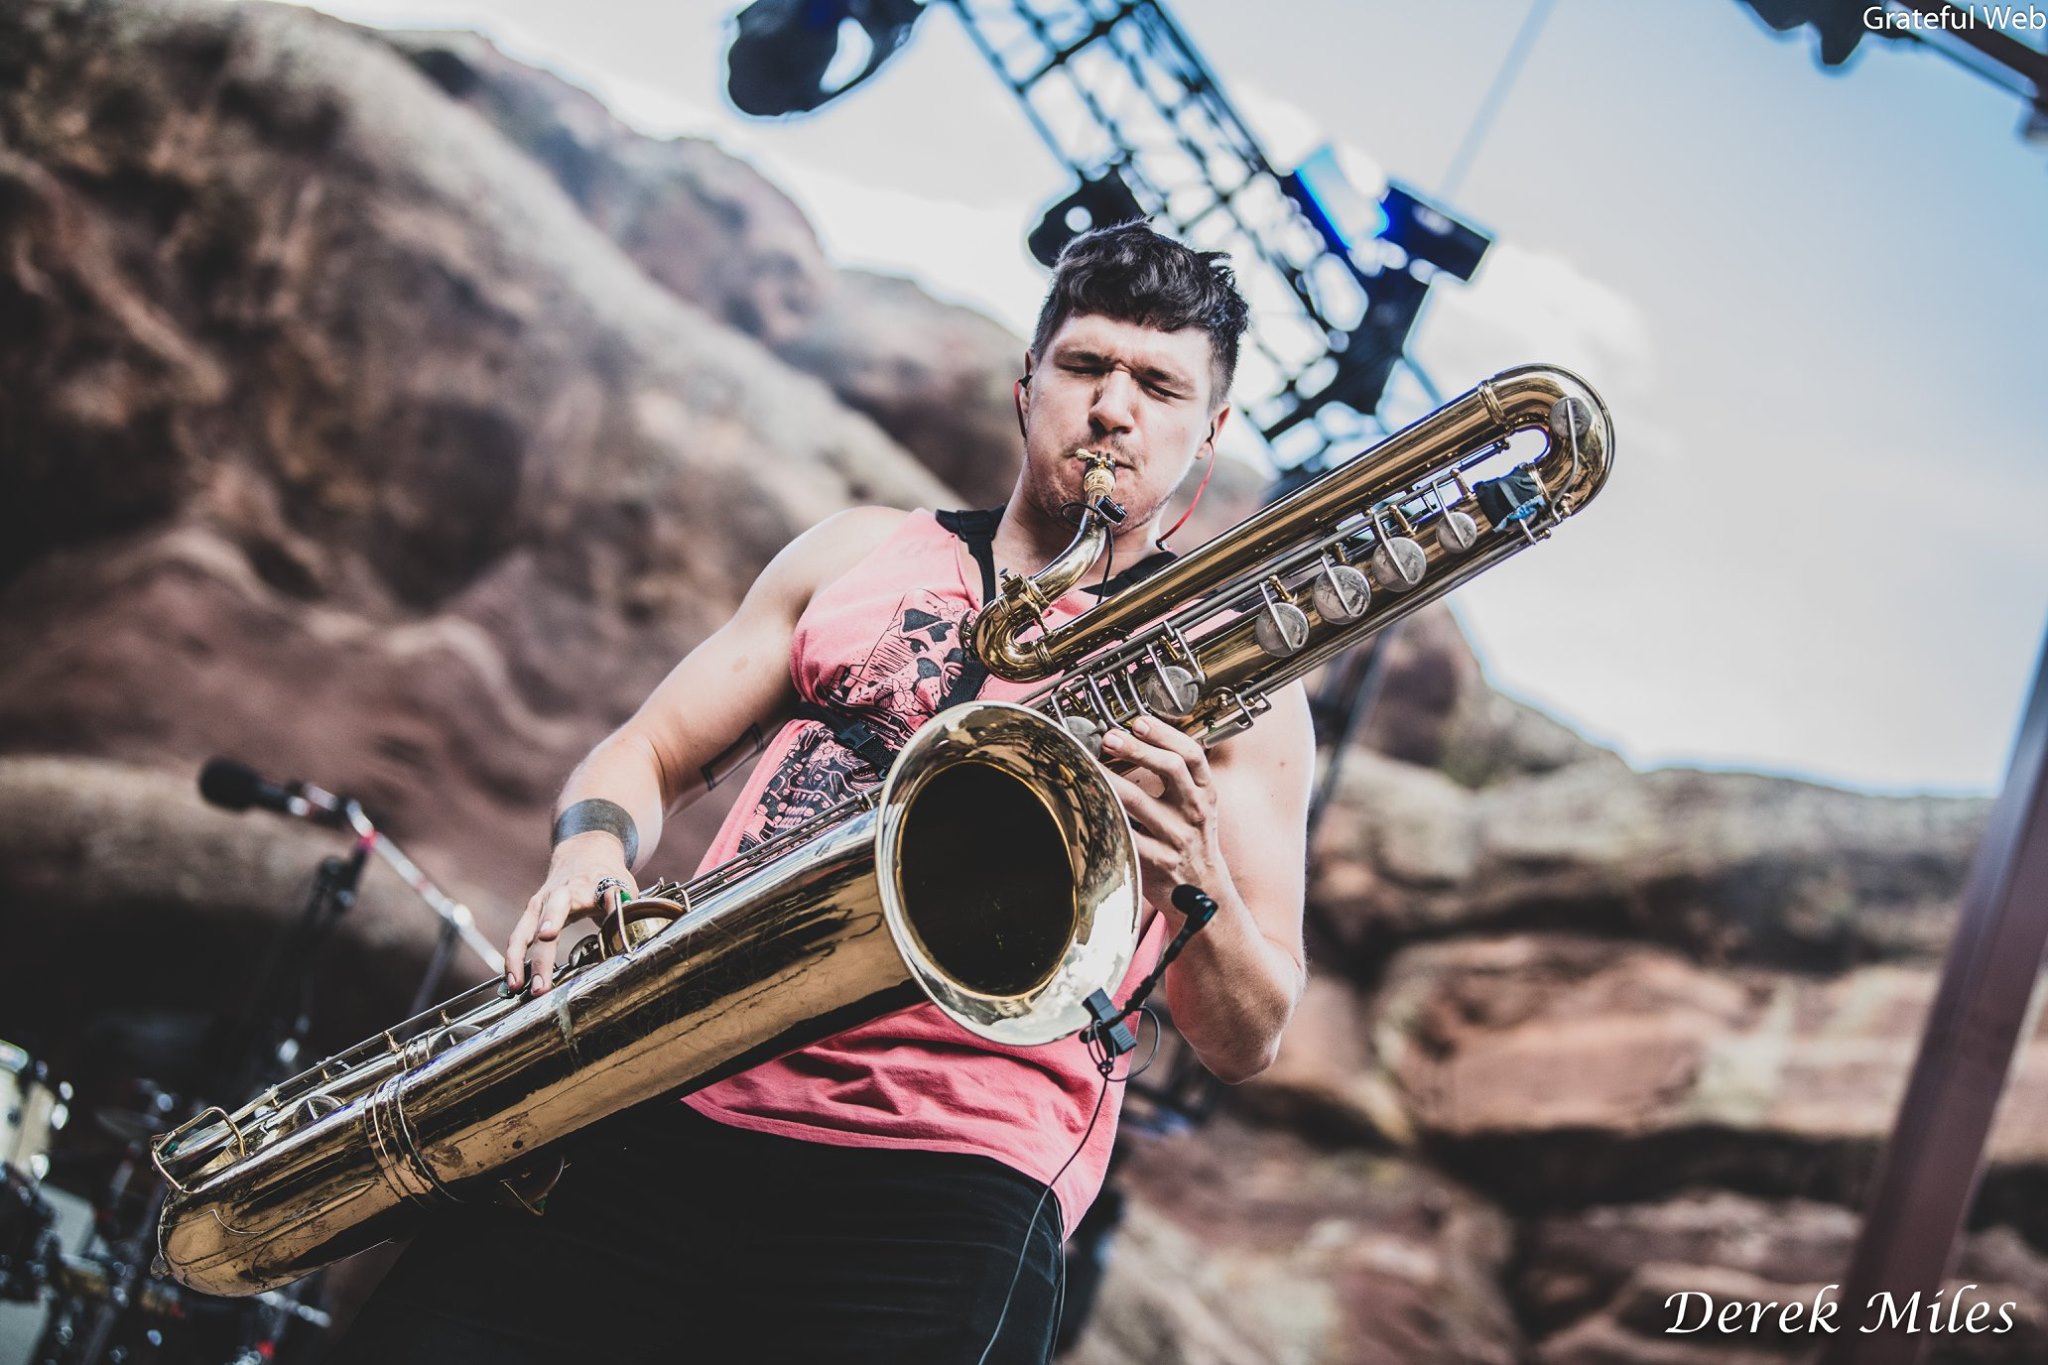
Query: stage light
column 783, row 50
column 1349, row 219
column 1384, row 240
column 1427, row 233
column 1837, row 24
column 1101, row 202
column 1342, row 212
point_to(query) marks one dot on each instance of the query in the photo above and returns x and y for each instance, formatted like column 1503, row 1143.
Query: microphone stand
column 234, row 786
column 258, row 1046
column 107, row 1315
column 458, row 924
column 265, row 1042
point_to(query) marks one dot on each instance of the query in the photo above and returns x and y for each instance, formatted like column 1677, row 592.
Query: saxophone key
column 1399, row 563
column 1457, row 532
column 1282, row 629
column 1342, row 594
column 1086, row 731
column 1170, row 691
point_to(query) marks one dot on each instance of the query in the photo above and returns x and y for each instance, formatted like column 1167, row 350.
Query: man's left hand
column 1176, row 830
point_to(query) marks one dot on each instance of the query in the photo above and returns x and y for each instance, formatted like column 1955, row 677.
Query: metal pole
column 1931, row 1166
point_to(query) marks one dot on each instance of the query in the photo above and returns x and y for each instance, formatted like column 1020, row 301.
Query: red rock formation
column 342, row 440
column 1249, row 1246
column 1729, row 865
column 710, row 229
column 1600, row 1283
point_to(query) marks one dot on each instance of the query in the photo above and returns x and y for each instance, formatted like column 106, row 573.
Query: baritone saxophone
column 886, row 901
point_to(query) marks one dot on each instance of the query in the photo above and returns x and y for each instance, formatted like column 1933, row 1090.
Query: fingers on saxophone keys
column 1140, row 805
column 563, row 905
column 1176, row 759
column 516, row 946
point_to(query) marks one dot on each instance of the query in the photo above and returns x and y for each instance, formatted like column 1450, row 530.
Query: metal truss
column 1125, row 101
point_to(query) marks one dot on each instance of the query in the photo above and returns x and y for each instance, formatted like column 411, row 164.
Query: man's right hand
column 735, row 683
column 569, row 893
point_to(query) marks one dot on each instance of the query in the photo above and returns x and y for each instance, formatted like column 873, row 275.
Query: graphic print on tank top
column 894, row 686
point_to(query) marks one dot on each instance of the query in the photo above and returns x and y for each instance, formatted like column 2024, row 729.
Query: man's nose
column 1115, row 406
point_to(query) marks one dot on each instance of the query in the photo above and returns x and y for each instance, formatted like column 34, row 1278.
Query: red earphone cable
column 1197, row 502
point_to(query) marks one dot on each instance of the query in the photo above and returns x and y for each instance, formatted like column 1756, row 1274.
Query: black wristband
column 600, row 814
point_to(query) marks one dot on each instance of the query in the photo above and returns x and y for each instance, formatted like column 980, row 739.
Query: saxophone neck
column 1021, row 603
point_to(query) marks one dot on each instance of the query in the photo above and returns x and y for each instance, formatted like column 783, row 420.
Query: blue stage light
column 1345, row 215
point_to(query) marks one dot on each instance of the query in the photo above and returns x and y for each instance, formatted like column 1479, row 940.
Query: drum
column 25, row 1239
column 32, row 1109
column 31, row 1112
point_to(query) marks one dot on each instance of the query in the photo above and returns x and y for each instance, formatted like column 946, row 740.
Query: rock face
column 133, row 896
column 1730, row 866
column 385, row 413
column 306, row 368
column 709, row 229
column 1604, row 1284
column 1248, row 1247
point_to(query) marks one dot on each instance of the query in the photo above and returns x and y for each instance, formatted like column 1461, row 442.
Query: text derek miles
column 1696, row 1311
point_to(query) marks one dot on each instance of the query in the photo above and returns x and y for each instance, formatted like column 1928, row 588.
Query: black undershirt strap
column 1137, row 573
column 852, row 733
column 978, row 529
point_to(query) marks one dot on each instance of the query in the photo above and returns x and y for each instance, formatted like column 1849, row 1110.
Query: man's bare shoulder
column 827, row 550
column 843, row 539
column 855, row 531
column 1281, row 745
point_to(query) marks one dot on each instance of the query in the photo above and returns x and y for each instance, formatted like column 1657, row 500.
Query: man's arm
column 1234, row 824
column 713, row 709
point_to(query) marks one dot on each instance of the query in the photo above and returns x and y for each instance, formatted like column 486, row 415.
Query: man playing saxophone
column 897, row 1191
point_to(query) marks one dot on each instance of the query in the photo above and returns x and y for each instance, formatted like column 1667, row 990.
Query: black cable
column 1199, row 908
column 1157, row 1033
column 1077, row 512
column 1105, row 1067
column 1104, row 1046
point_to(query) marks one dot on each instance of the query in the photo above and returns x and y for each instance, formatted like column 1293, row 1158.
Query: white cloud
column 1525, row 304
column 971, row 254
column 1288, row 133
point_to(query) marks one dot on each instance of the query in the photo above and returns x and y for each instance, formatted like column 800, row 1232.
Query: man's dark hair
column 1132, row 274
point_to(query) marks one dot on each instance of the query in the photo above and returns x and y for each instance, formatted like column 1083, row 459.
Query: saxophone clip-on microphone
column 1109, row 1030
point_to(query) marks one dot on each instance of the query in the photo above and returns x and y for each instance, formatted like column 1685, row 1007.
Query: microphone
column 1196, row 904
column 1109, row 1029
column 237, row 786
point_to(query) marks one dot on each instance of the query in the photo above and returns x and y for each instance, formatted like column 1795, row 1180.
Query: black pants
column 675, row 1238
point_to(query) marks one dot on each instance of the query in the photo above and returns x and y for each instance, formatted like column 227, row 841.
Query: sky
column 1811, row 299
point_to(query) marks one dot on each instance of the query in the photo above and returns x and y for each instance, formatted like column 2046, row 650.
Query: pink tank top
column 883, row 644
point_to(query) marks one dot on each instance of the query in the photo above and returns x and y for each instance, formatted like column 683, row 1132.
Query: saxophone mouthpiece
column 1098, row 484
column 1100, row 479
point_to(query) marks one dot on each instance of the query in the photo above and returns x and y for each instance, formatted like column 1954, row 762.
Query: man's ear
column 1018, row 391
column 1216, row 422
